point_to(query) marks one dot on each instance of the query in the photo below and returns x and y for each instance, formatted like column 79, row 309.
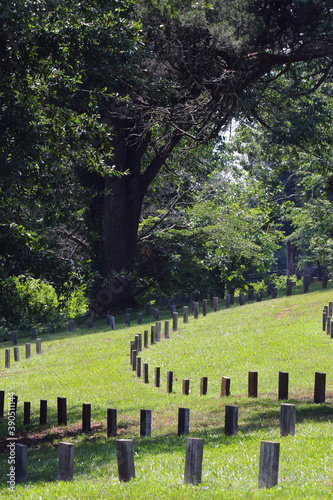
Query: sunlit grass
column 92, row 366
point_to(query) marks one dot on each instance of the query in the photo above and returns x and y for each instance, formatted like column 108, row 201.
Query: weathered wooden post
column 268, row 464
column 145, row 339
column 215, row 304
column 225, row 386
column 183, row 421
column 14, row 337
column 289, row 290
column 157, row 376
column 66, row 461
column 134, row 356
column 185, row 314
column 241, row 299
column 113, row 323
column 138, row 366
column 86, row 417
column 21, row 462
column 26, row 412
column 196, row 310
column 156, row 314
column 139, row 342
column 132, row 348
column 324, row 281
column 27, row 351
column 328, row 325
column 174, row 322
column 330, row 309
column 39, row 346
column 62, row 411
column 145, row 423
column 186, row 387
column 287, row 419
column 231, row 420
column 152, row 334
column 204, row 307
column 227, row 301
column 193, row 460
column 7, row 358
column 125, row 458
column 283, row 385
column 319, row 388
column 145, row 373
column 203, row 386
column 111, row 422
column 158, row 329
column 166, row 329
column 252, row 384
column 324, row 319
column 169, row 381
column 251, row 292
column 16, row 354
column 127, row 319
column 274, row 292
column 42, row 412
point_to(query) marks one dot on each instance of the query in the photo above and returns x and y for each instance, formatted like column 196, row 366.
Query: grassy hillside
column 92, row 366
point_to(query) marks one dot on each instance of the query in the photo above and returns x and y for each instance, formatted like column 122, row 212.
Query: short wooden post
column 132, row 347
column 156, row 314
column 139, row 346
column 283, row 385
column 152, row 334
column 186, row 387
column 241, row 298
column 250, row 293
column 66, row 461
column 16, row 354
column 138, row 366
column 113, row 323
column 158, row 329
column 204, row 307
column 328, row 325
column 127, row 319
column 134, row 356
column 166, row 329
column 324, row 282
column 183, row 421
column 21, row 462
column 215, row 304
column 253, row 384
column 26, row 412
column 268, row 464
column 330, row 309
column 27, row 351
column 86, row 417
column 289, row 290
column 174, row 322
column 111, row 422
column 196, row 310
column 193, row 460
column 287, row 419
column 7, row 358
column 2, row 404
column 62, row 411
column 225, row 387
column 33, row 332
column 169, row 381
column 145, row 373
column 231, row 420
column 14, row 337
column 185, row 314
column 203, row 386
column 227, row 301
column 324, row 319
column 139, row 318
column 38, row 346
column 125, row 458
column 274, row 292
column 145, row 423
column 319, row 388
column 145, row 339
column 42, row 412
column 157, row 376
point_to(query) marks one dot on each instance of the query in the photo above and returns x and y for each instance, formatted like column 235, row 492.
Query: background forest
column 160, row 147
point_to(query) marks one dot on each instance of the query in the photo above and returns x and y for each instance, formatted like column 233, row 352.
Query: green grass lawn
column 92, row 366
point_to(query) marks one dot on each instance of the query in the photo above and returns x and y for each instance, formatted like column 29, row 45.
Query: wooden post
column 203, row 386
column 174, row 322
column 42, row 412
column 113, row 323
column 283, row 385
column 145, row 423
column 33, row 332
column 27, row 351
column 125, row 458
column 166, row 330
column 330, row 309
column 231, row 420
column 319, row 388
column 38, row 346
column 139, row 346
column 251, row 293
column 158, row 329
column 185, row 314
column 7, row 358
column 324, row 282
column 227, row 301
column 62, row 411
column 134, row 356
column 274, row 292
column 148, row 309
column 26, row 412
column 14, row 337
column 21, row 462
column 152, row 334
column 157, row 376
column 127, row 319
column 138, row 366
column 196, row 310
column 132, row 347
column 156, row 314
column 324, row 319
column 215, row 304
column 287, row 419
column 16, row 354
column 136, row 342
column 186, row 387
column 241, row 298
column 145, row 339
column 328, row 325
column 183, row 421
column 253, row 384
column 225, row 387
column 139, row 317
column 66, row 461
column 268, row 464
column 86, row 417
column 169, row 381
column 204, row 307
column 193, row 460
column 289, row 290
column 145, row 373
column 111, row 422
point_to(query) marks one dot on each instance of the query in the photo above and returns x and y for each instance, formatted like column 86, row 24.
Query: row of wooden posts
column 268, row 461
column 17, row 352
column 328, row 319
